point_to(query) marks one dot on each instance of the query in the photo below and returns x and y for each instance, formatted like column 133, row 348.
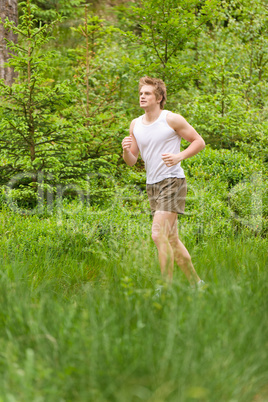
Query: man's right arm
column 130, row 147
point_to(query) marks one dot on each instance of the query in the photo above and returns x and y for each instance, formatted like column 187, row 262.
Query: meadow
column 80, row 320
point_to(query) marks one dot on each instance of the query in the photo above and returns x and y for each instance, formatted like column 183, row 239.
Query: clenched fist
column 171, row 159
column 126, row 143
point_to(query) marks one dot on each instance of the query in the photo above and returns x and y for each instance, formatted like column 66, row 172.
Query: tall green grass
column 79, row 320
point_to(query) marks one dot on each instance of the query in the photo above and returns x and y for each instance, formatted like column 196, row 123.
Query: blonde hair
column 159, row 88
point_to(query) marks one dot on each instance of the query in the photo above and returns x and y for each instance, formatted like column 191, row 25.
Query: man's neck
column 151, row 115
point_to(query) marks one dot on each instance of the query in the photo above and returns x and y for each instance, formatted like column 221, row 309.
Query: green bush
column 227, row 166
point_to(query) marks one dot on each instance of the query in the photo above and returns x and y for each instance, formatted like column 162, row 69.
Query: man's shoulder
column 174, row 116
column 132, row 124
column 175, row 119
column 134, row 121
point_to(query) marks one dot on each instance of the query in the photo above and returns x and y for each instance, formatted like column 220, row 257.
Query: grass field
column 79, row 320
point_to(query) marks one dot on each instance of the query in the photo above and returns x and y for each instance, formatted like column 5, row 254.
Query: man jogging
column 157, row 135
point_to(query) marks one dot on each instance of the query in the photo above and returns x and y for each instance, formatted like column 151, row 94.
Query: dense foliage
column 64, row 117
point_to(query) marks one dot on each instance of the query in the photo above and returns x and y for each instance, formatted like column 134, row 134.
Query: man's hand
column 130, row 150
column 171, row 159
column 126, row 144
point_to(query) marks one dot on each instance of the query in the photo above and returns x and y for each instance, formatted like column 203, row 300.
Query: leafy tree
column 252, row 31
column 97, row 114
column 92, row 74
column 228, row 104
column 59, row 132
column 47, row 10
column 35, row 133
column 165, row 28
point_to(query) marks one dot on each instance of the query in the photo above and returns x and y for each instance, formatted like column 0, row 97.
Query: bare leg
column 162, row 225
column 182, row 256
column 169, row 246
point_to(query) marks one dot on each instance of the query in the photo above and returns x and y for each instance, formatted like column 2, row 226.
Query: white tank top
column 154, row 140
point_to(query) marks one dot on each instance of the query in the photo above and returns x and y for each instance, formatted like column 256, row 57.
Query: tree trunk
column 8, row 9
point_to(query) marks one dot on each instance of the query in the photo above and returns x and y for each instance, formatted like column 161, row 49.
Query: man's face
column 148, row 98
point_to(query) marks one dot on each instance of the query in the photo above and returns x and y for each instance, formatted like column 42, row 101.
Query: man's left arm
column 186, row 131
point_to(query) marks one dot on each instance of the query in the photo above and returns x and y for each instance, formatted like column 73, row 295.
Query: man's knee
column 159, row 237
column 156, row 236
column 156, row 232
